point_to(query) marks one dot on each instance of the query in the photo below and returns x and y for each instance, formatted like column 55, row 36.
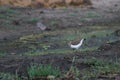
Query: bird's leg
column 76, row 51
column 73, row 50
column 71, row 70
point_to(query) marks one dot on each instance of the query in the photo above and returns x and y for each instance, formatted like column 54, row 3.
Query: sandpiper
column 76, row 46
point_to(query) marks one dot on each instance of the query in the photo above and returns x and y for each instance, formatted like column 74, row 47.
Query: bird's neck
column 81, row 42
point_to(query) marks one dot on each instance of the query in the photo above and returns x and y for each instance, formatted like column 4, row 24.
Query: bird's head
column 83, row 39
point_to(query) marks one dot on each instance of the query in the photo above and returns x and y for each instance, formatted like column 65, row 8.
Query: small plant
column 108, row 68
column 101, row 68
column 53, row 23
column 7, row 13
column 6, row 76
column 36, row 71
column 45, row 47
column 17, row 76
column 73, row 14
column 95, row 62
column 92, row 15
column 2, row 55
column 32, row 20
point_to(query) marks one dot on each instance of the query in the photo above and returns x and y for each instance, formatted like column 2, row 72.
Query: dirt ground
column 19, row 34
column 107, row 52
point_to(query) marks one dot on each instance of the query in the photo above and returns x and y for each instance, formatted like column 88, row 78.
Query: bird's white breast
column 78, row 45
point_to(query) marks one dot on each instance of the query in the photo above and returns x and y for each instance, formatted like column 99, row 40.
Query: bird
column 76, row 46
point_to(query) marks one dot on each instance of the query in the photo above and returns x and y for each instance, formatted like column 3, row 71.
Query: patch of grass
column 58, row 51
column 94, row 61
column 6, row 12
column 82, row 19
column 78, row 35
column 97, row 33
column 89, row 49
column 17, row 77
column 8, row 76
column 55, row 51
column 67, row 35
column 30, row 37
column 31, row 20
column 2, row 55
column 101, row 68
column 45, row 47
column 13, row 27
column 58, row 40
column 112, row 40
column 53, row 23
column 42, row 71
column 92, row 15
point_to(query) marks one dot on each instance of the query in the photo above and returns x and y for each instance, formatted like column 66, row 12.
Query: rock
column 50, row 77
column 41, row 26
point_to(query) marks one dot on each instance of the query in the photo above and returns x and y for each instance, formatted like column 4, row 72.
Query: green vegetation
column 8, row 76
column 92, row 15
column 89, row 16
column 48, row 41
column 53, row 23
column 7, row 13
column 2, row 55
column 100, row 68
column 54, row 38
column 8, row 16
column 89, row 49
column 31, row 20
column 7, row 9
column 43, row 71
column 70, row 34
column 58, row 51
column 55, row 51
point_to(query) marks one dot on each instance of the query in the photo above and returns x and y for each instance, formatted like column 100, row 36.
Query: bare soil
column 20, row 64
